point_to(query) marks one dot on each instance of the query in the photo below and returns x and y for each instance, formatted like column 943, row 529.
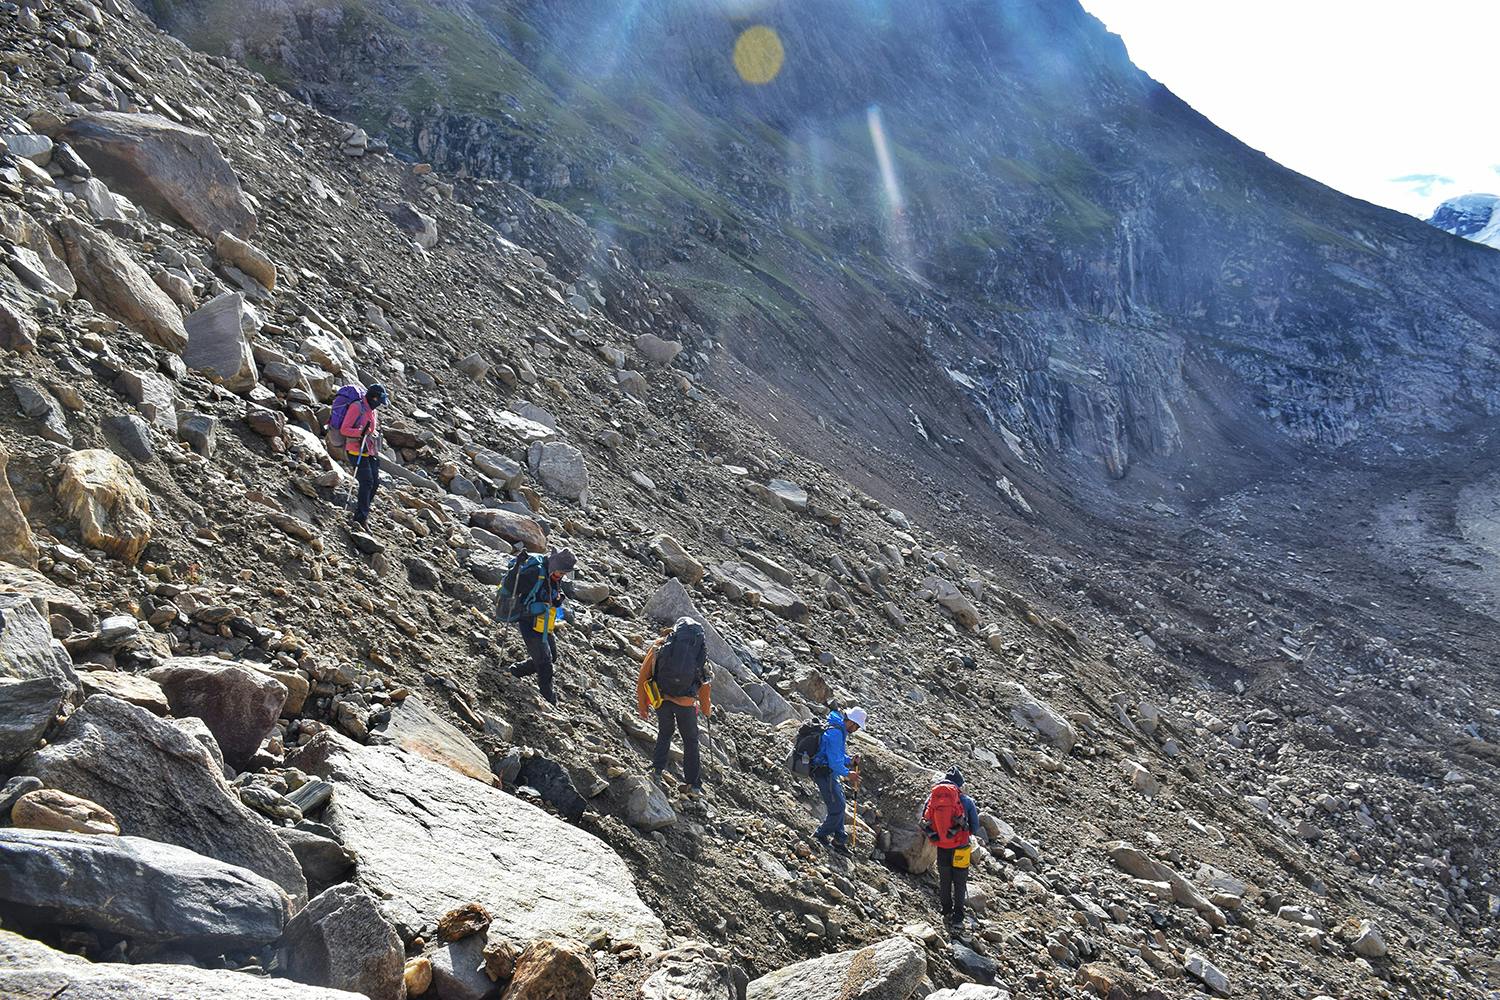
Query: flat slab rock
column 416, row 728
column 141, row 889
column 430, row 839
column 29, row 970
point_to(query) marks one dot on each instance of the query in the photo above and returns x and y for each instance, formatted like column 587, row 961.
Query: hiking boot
column 841, row 847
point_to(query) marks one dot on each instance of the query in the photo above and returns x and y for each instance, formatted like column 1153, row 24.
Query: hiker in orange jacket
column 674, row 678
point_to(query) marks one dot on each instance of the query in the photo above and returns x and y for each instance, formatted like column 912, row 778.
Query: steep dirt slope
column 1214, row 704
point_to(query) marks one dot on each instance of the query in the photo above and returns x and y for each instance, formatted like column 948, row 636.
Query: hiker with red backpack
column 357, row 423
column 531, row 598
column 674, row 680
column 949, row 820
column 829, row 766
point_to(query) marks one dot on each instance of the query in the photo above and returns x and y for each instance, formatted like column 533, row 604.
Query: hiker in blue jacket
column 831, row 764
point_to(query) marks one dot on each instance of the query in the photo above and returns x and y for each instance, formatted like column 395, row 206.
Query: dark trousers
column 953, row 885
column 832, row 790
column 685, row 718
column 367, row 474
column 541, row 648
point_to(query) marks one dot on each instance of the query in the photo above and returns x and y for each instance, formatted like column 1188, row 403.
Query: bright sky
column 1393, row 101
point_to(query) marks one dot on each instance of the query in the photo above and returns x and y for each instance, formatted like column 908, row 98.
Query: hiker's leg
column 536, row 649
column 368, row 475
column 825, row 783
column 960, row 892
column 666, row 722
column 687, row 721
column 544, row 671
column 945, row 880
column 837, row 812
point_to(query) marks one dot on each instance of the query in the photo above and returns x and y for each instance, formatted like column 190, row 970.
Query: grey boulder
column 239, row 705
column 888, row 970
column 340, row 939
column 414, row 727
column 161, row 783
column 29, row 970
column 217, row 345
column 36, row 675
column 430, row 839
column 140, row 889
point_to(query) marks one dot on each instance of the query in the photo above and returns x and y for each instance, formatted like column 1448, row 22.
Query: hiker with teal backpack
column 531, row 598
column 949, row 820
column 829, row 766
column 674, row 680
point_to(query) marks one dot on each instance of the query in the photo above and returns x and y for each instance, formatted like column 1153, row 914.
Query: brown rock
column 466, row 920
column 499, row 960
column 50, row 809
column 16, row 542
column 134, row 688
column 250, row 259
column 164, row 167
column 552, row 970
column 113, row 510
column 512, row 527
column 115, row 283
column 17, row 329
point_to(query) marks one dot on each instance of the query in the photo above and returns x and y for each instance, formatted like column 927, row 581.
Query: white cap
column 857, row 716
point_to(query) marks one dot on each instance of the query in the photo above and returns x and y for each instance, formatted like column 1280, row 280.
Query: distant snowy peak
column 1473, row 216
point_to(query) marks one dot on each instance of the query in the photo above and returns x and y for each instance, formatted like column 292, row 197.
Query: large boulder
column 161, row 783
column 1134, row 861
column 240, row 705
column 420, row 226
column 679, row 562
column 17, row 544
column 738, row 579
column 97, row 490
column 1029, row 712
column 561, row 469
column 217, row 345
column 416, row 728
column 29, row 970
column 657, row 350
column 324, row 860
column 164, row 167
column 113, row 281
column 514, row 528
column 889, row 970
column 340, row 939
column 671, row 602
column 36, row 675
column 429, row 839
column 147, row 891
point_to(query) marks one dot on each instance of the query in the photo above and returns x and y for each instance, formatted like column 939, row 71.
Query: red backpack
column 944, row 819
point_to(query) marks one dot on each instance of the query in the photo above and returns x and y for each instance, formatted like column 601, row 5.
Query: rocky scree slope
column 1066, row 262
column 279, row 753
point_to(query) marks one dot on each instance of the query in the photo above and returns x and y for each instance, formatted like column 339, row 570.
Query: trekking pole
column 854, row 833
column 354, row 486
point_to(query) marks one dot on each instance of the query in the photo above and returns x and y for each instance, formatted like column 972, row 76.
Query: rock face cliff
column 938, row 221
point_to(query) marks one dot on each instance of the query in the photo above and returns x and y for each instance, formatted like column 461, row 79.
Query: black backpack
column 805, row 747
column 680, row 661
column 518, row 591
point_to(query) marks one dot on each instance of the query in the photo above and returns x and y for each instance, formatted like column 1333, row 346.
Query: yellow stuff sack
column 547, row 622
column 653, row 693
column 961, row 856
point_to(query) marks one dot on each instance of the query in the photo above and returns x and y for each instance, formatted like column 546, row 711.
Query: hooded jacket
column 833, row 748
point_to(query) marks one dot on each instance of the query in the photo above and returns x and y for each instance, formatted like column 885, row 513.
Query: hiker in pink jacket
column 361, row 431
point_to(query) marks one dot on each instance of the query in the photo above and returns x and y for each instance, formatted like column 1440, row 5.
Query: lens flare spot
column 758, row 54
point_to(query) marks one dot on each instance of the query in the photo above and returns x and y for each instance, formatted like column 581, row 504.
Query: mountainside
column 1475, row 217
column 1053, row 256
column 1232, row 733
